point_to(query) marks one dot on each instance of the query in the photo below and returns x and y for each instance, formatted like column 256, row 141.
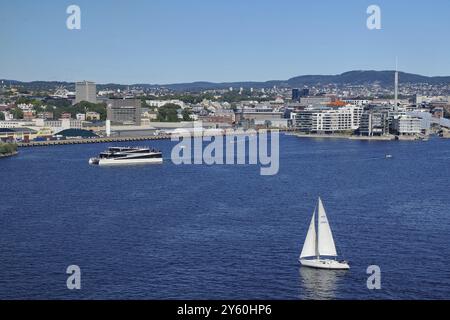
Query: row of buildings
column 315, row 114
column 370, row 120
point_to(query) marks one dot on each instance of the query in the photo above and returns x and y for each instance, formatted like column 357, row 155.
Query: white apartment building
column 407, row 125
column 326, row 120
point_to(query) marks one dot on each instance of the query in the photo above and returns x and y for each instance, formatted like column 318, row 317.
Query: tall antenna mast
column 396, row 85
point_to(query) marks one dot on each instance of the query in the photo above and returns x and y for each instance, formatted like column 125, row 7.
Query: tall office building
column 124, row 111
column 297, row 94
column 85, row 91
column 304, row 92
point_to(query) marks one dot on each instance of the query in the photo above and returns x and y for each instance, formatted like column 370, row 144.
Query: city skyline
column 176, row 42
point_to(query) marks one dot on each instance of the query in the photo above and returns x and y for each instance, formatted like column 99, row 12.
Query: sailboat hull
column 325, row 264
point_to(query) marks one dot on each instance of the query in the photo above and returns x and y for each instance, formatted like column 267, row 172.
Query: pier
column 90, row 140
column 126, row 139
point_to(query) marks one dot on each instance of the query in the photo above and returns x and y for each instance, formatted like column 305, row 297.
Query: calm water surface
column 225, row 232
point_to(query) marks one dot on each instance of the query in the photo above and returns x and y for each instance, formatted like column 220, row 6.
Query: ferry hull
column 325, row 264
column 112, row 162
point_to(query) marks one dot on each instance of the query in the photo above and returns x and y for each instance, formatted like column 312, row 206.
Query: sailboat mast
column 317, row 233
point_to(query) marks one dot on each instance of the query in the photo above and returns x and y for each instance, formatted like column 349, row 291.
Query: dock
column 90, row 140
column 121, row 139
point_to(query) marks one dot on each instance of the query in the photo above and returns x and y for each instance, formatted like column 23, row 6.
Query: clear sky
column 171, row 41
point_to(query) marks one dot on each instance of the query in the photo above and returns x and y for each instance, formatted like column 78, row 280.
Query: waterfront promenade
column 91, row 140
column 128, row 139
column 361, row 138
column 168, row 136
column 343, row 136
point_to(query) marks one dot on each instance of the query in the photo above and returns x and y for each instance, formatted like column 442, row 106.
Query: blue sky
column 170, row 41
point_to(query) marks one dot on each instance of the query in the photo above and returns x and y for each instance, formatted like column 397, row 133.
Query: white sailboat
column 320, row 243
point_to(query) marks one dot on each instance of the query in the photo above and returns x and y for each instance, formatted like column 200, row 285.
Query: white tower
column 396, row 86
column 108, row 128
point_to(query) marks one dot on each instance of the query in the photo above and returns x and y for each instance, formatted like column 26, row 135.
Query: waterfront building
column 124, row 111
column 407, row 125
column 261, row 116
column 374, row 123
column 328, row 120
column 81, row 116
column 85, row 91
column 58, row 125
column 16, row 134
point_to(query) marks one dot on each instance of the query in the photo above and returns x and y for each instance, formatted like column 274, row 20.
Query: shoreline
column 7, row 155
column 130, row 138
column 169, row 136
column 360, row 138
column 348, row 137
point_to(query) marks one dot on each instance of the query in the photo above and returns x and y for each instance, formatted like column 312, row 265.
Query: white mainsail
column 310, row 245
column 326, row 246
column 320, row 243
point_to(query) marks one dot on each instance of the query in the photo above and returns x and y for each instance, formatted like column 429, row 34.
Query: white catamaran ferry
column 320, row 243
column 127, row 155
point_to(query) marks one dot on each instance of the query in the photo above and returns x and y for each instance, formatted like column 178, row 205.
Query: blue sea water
column 226, row 232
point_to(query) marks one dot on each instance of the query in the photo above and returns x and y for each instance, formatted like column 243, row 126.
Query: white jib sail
column 325, row 237
column 310, row 245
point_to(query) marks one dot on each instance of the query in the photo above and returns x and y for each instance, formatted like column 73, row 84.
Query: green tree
column 81, row 107
column 186, row 113
column 2, row 116
column 59, row 103
column 17, row 113
column 7, row 148
column 168, row 113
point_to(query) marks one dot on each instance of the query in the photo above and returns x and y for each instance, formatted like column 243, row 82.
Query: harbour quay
column 127, row 138
column 90, row 140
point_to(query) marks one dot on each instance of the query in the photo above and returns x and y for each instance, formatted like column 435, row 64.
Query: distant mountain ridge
column 357, row 77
